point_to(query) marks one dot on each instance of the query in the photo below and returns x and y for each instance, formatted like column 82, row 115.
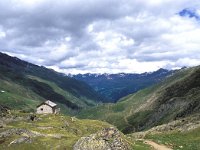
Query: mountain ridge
column 116, row 86
column 173, row 98
column 23, row 80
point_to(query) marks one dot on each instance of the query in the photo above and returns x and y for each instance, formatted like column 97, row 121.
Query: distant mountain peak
column 115, row 86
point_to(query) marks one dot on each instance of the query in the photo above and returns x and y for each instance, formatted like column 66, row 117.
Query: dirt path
column 157, row 146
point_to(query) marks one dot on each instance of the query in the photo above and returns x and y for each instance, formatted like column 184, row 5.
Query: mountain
column 167, row 115
column 116, row 86
column 24, row 85
column 178, row 96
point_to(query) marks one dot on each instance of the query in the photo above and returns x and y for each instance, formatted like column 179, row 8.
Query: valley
column 99, row 75
column 175, row 97
column 115, row 86
column 162, row 116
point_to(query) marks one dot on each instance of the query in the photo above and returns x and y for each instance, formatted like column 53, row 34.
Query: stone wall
column 44, row 109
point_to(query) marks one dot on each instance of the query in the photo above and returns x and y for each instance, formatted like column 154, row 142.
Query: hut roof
column 48, row 102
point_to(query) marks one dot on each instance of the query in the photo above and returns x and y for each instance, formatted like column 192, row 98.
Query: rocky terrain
column 181, row 125
column 106, row 139
column 30, row 131
column 181, row 134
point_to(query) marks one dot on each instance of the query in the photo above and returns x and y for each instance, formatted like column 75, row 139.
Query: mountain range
column 164, row 115
column 178, row 96
column 115, row 86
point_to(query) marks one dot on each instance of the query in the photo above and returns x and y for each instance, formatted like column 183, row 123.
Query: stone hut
column 47, row 107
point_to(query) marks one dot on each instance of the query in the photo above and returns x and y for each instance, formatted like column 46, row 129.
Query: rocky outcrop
column 2, row 124
column 23, row 139
column 8, row 118
column 16, row 131
column 181, row 125
column 106, row 139
column 4, row 111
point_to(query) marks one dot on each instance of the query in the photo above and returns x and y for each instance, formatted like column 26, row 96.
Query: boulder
column 21, row 140
column 4, row 110
column 2, row 124
column 106, row 139
column 16, row 131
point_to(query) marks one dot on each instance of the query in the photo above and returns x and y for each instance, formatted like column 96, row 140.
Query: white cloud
column 101, row 35
column 2, row 34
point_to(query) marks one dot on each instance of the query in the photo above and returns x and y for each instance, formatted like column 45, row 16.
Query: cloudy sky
column 102, row 36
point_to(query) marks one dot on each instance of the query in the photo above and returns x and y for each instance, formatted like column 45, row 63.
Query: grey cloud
column 39, row 32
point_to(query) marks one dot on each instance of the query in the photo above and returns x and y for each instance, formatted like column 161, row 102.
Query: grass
column 70, row 131
column 21, row 97
column 59, row 132
column 26, row 85
column 139, row 145
column 179, row 140
column 16, row 97
column 118, row 114
column 66, row 94
column 176, row 96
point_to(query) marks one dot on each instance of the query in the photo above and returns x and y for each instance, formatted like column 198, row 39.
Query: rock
column 73, row 119
column 11, row 132
column 21, row 140
column 4, row 110
column 45, row 128
column 2, row 124
column 66, row 124
column 106, row 139
column 138, row 135
column 32, row 117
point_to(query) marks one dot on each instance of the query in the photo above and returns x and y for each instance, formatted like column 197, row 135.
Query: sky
column 102, row 36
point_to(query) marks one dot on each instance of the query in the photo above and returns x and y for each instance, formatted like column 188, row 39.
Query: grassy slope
column 177, row 96
column 16, row 96
column 26, row 85
column 69, row 130
column 189, row 140
column 182, row 133
column 56, row 132
column 117, row 113
column 20, row 97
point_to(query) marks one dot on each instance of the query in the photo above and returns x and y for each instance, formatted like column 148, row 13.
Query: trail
column 157, row 146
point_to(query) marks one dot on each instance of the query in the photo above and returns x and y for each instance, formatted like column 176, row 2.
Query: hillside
column 166, row 114
column 116, row 86
column 24, row 85
column 18, row 131
column 179, row 134
column 176, row 97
